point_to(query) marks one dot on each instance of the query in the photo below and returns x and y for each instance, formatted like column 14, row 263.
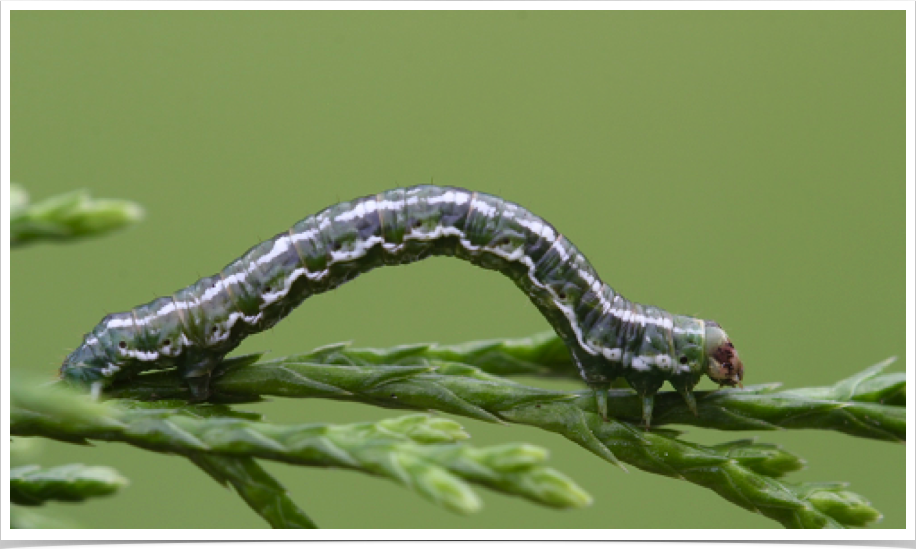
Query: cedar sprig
column 34, row 485
column 66, row 216
column 545, row 355
column 743, row 473
column 869, row 404
column 257, row 488
column 420, row 452
column 851, row 406
column 542, row 354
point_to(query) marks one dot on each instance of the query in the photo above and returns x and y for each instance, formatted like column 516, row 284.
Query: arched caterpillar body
column 608, row 335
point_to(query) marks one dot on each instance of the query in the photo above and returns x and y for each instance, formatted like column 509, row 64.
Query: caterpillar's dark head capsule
column 722, row 363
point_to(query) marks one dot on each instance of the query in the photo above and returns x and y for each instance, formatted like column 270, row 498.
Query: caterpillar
column 608, row 336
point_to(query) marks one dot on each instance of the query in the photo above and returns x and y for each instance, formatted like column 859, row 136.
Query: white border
column 910, row 261
column 417, row 534
column 494, row 5
column 5, row 259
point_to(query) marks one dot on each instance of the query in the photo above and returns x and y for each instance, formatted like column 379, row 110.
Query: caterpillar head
column 87, row 368
column 722, row 363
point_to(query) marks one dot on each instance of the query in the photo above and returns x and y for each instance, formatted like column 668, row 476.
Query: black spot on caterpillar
column 608, row 335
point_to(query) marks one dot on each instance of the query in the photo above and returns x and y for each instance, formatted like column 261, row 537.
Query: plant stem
column 267, row 497
column 464, row 390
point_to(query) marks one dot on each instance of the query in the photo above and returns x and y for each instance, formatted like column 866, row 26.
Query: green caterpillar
column 608, row 336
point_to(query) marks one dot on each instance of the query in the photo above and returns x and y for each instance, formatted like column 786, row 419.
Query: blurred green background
column 742, row 166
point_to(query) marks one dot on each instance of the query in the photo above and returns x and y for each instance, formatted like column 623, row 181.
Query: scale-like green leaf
column 422, row 453
column 66, row 217
column 34, row 485
column 744, row 473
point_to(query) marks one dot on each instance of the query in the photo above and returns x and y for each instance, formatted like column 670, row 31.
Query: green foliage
column 740, row 477
column 869, row 404
column 742, row 472
column 832, row 499
column 423, row 453
column 266, row 497
column 420, row 452
column 34, row 485
column 66, row 217
column 542, row 354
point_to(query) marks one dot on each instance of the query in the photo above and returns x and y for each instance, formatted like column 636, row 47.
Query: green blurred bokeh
column 741, row 166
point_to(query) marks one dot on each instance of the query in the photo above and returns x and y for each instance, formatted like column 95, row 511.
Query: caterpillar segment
column 608, row 335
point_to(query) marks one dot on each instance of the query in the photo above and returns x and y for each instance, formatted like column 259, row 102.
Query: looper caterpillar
column 608, row 335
